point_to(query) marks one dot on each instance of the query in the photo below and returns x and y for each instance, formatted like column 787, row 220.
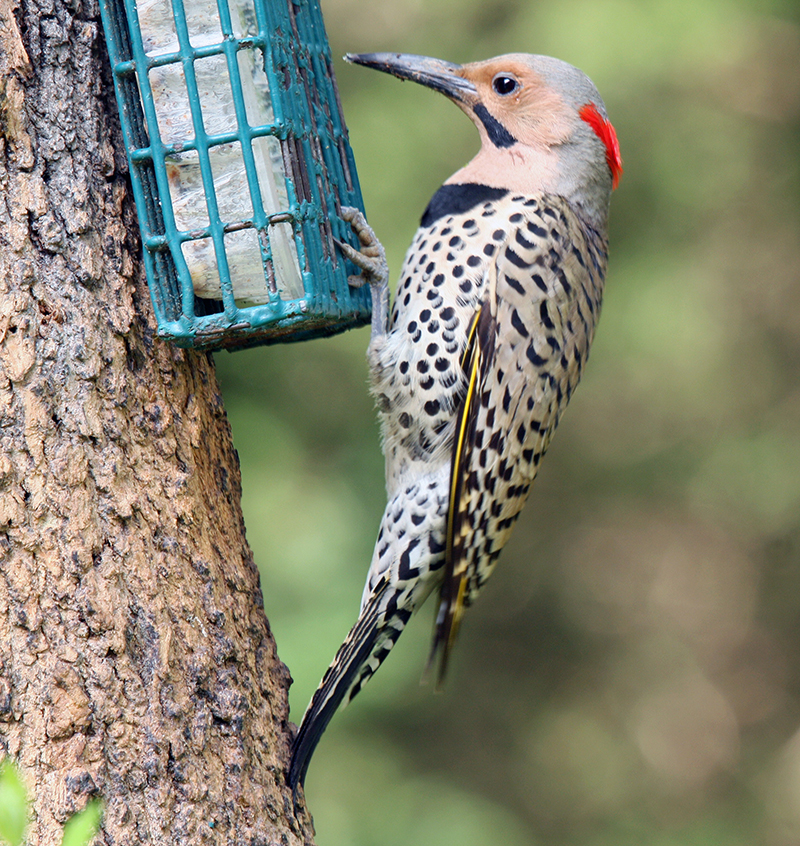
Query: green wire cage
column 240, row 164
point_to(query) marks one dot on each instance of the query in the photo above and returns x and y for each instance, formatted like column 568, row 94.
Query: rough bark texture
column 135, row 659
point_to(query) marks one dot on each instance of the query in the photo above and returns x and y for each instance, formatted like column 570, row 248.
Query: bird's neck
column 531, row 170
column 522, row 170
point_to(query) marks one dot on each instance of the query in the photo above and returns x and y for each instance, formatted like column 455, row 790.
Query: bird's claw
column 371, row 258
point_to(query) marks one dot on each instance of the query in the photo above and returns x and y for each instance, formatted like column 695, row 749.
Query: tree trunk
column 136, row 662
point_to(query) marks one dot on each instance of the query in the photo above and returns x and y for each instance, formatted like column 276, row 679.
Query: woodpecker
column 489, row 332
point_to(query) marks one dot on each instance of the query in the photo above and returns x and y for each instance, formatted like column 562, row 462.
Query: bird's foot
column 371, row 261
column 371, row 258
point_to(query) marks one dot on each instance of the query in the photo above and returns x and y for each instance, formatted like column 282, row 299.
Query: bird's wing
column 525, row 350
column 474, row 361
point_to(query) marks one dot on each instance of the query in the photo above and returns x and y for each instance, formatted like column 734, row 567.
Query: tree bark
column 136, row 662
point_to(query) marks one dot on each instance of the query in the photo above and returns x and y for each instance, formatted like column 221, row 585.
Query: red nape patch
column 605, row 132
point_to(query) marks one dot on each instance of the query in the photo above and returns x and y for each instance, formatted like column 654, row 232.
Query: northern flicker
column 490, row 329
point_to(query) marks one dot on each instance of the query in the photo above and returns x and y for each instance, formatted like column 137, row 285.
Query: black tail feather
column 340, row 677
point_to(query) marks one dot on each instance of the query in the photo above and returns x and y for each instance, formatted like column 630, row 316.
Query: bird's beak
column 444, row 77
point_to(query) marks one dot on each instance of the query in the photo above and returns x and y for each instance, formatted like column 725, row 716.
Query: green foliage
column 79, row 830
column 13, row 804
column 82, row 827
column 630, row 675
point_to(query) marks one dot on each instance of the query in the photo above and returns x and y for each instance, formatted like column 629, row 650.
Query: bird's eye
column 504, row 84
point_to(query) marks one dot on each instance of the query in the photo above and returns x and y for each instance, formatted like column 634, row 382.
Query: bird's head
column 542, row 123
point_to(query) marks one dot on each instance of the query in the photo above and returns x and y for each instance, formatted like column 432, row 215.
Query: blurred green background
column 631, row 673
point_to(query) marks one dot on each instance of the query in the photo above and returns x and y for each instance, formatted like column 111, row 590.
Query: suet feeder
column 240, row 164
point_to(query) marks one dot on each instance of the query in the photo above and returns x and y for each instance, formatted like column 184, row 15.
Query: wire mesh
column 239, row 164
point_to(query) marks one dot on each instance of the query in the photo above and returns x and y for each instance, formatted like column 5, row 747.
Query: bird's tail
column 370, row 640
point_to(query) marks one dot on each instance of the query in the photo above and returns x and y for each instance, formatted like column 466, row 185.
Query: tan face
column 519, row 100
column 536, row 117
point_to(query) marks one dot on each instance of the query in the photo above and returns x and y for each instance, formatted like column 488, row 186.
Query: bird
column 474, row 363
